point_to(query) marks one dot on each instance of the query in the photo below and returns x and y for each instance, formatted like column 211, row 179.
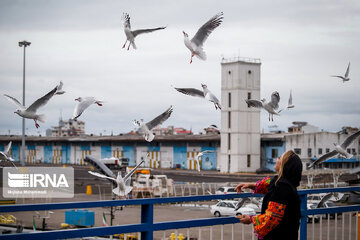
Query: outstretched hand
column 239, row 188
column 245, row 219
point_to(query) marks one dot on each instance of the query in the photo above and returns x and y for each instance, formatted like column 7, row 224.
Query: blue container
column 79, row 217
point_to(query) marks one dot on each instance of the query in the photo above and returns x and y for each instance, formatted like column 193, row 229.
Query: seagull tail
column 41, row 118
column 201, row 54
column 150, row 137
column 133, row 45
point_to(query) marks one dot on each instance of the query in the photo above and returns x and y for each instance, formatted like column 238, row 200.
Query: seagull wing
column 159, row 119
column 350, row 139
column 126, row 18
column 338, row 77
column 7, row 149
column 15, row 101
column 240, row 203
column 132, row 171
column 254, row 103
column 208, row 151
column 140, row 31
column 41, row 101
column 204, row 32
column 275, row 99
column 191, row 92
column 290, row 99
column 323, row 158
column 81, row 106
column 347, row 70
column 101, row 175
column 324, row 199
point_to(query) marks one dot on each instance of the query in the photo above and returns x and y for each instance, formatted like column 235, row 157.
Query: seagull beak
column 77, row 99
column 184, row 33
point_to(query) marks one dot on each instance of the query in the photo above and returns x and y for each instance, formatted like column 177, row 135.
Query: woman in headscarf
column 280, row 210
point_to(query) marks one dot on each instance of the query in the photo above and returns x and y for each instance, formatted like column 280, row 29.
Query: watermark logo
column 38, row 182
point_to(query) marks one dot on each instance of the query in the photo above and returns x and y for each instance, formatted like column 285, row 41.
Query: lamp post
column 22, row 159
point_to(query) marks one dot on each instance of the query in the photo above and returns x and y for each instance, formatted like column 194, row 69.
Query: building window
column 309, row 152
column 327, row 150
column 348, row 150
column 229, row 141
column 297, row 151
column 248, row 160
column 353, row 151
column 229, row 95
column 249, row 97
column 229, row 119
column 274, row 153
column 249, row 72
column 320, row 151
column 229, row 162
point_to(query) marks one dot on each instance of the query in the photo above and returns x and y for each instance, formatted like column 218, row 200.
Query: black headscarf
column 284, row 191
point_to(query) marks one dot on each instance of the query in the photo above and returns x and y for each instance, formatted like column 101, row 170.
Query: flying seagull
column 84, row 103
column 290, row 104
column 123, row 183
column 147, row 127
column 203, row 94
column 199, row 156
column 131, row 35
column 5, row 155
column 30, row 112
column 195, row 45
column 270, row 107
column 339, row 149
column 345, row 78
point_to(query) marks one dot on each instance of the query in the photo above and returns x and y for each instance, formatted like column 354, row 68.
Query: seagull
column 5, row 155
column 290, row 104
column 123, row 184
column 84, row 103
column 30, row 112
column 195, row 45
column 339, row 149
column 270, row 107
column 345, row 78
column 199, row 156
column 147, row 127
column 130, row 35
column 203, row 94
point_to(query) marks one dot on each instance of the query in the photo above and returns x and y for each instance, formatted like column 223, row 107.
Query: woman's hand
column 245, row 219
column 239, row 188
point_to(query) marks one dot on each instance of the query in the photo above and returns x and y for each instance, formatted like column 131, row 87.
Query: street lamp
column 22, row 159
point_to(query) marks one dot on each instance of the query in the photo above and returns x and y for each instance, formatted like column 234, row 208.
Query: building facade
column 240, row 125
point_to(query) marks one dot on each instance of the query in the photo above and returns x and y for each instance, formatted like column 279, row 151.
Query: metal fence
column 147, row 226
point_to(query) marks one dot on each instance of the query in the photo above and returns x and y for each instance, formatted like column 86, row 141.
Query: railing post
column 147, row 217
column 303, row 222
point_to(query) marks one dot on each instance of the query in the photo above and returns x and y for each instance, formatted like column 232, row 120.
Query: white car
column 225, row 190
column 227, row 208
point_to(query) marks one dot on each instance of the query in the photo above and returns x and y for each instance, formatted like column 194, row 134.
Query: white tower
column 240, row 125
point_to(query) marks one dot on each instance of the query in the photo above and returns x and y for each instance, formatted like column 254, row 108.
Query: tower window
column 249, row 72
column 229, row 119
column 229, row 72
column 248, row 160
column 249, row 97
column 229, row 141
column 229, row 95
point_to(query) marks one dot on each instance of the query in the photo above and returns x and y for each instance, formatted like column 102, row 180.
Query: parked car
column 263, row 170
column 227, row 208
column 225, row 190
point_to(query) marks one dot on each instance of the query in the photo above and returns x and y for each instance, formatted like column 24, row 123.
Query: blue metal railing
column 147, row 225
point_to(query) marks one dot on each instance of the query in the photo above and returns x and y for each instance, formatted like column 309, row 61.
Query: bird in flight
column 195, row 45
column 131, row 35
column 199, row 156
column 339, row 149
column 202, row 94
column 270, row 107
column 30, row 112
column 82, row 104
column 146, row 128
column 123, row 183
column 345, row 78
column 5, row 155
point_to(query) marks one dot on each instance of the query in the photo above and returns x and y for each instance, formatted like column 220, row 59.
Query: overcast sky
column 300, row 44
